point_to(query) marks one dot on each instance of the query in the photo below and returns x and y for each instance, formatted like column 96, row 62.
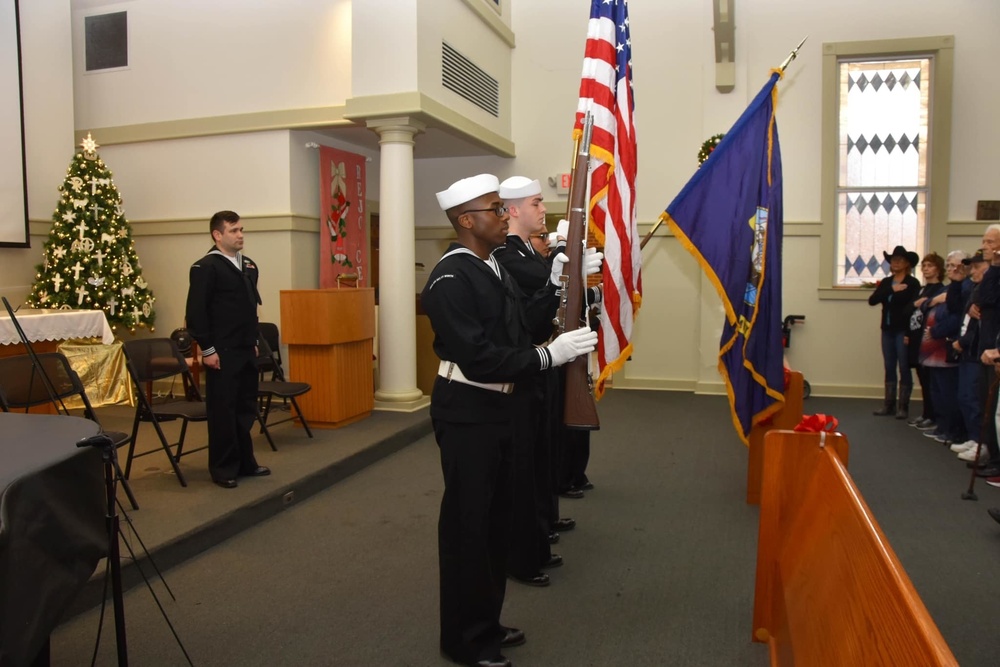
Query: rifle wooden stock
column 580, row 411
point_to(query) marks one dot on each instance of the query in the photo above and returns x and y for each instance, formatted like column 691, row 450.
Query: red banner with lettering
column 343, row 248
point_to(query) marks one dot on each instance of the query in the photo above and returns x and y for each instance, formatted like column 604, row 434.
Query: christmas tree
column 89, row 261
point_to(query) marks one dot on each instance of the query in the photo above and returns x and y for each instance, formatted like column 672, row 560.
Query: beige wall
column 455, row 22
column 192, row 59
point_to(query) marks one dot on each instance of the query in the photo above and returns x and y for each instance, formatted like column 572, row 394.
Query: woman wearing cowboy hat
column 896, row 294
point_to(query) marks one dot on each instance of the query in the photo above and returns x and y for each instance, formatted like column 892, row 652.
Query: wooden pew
column 830, row 590
column 788, row 417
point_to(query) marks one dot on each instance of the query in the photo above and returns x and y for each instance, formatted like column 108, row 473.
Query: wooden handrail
column 830, row 590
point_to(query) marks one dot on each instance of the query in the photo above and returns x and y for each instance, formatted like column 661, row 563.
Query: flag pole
column 792, row 55
column 645, row 239
column 576, row 149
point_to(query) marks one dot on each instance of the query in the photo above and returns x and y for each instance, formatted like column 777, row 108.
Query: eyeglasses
column 499, row 210
column 544, row 237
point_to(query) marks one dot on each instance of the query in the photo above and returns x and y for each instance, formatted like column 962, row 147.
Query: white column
column 397, row 320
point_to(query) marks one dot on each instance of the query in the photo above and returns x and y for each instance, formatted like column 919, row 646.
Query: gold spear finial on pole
column 792, row 55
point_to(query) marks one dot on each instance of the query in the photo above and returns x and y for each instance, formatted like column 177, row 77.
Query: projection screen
column 13, row 187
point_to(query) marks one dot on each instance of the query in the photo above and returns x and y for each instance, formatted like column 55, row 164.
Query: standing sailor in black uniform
column 481, row 331
column 222, row 316
column 535, row 471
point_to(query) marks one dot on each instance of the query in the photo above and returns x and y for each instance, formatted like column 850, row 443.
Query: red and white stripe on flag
column 606, row 92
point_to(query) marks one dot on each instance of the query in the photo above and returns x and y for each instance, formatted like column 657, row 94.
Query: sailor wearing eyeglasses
column 481, row 334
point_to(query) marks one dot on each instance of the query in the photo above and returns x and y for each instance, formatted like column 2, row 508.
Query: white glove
column 592, row 261
column 562, row 229
column 570, row 345
column 591, row 264
column 557, row 269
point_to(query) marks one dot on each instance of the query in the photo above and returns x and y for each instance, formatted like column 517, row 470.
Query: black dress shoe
column 587, row 486
column 226, row 483
column 571, row 492
column 562, row 525
column 989, row 471
column 512, row 637
column 553, row 537
column 498, row 661
column 539, row 580
column 555, row 561
column 259, row 471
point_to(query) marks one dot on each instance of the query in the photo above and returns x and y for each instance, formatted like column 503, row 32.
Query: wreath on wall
column 708, row 147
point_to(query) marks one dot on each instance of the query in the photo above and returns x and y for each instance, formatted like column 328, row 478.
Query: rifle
column 580, row 411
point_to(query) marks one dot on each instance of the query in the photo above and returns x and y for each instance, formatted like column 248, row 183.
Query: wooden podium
column 329, row 335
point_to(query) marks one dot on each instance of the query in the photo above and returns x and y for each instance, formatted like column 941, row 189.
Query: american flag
column 606, row 92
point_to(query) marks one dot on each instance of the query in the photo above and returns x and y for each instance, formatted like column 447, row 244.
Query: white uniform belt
column 450, row 371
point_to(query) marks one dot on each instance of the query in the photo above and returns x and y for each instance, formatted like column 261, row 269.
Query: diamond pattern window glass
column 882, row 185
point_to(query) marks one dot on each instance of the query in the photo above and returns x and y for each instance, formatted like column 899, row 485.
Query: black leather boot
column 903, row 408
column 889, row 406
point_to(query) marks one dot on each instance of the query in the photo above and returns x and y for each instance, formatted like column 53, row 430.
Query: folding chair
column 153, row 359
column 21, row 386
column 269, row 332
column 277, row 387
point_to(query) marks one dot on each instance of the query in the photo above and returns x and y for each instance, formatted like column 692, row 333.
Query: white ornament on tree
column 57, row 280
column 80, row 203
column 77, row 268
column 94, row 182
column 99, row 255
column 95, row 281
column 127, row 269
column 76, row 183
column 59, row 252
column 81, row 292
column 112, row 304
column 107, row 238
column 82, row 227
column 87, row 244
column 69, row 216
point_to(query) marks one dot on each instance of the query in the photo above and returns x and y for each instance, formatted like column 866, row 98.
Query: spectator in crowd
column 896, row 293
column 932, row 268
column 967, row 347
column 940, row 367
column 987, row 308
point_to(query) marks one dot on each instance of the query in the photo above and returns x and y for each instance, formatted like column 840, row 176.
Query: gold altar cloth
column 101, row 369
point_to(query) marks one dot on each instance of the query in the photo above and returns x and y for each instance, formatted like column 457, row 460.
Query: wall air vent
column 106, row 37
column 463, row 77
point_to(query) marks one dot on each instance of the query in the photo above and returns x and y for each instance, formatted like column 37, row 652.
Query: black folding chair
column 153, row 359
column 22, row 387
column 277, row 387
column 266, row 364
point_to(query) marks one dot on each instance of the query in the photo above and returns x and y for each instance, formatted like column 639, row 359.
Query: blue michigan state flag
column 729, row 218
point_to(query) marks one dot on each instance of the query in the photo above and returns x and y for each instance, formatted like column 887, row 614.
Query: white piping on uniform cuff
column 545, row 357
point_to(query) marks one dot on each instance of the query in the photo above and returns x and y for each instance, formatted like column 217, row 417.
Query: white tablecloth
column 42, row 325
